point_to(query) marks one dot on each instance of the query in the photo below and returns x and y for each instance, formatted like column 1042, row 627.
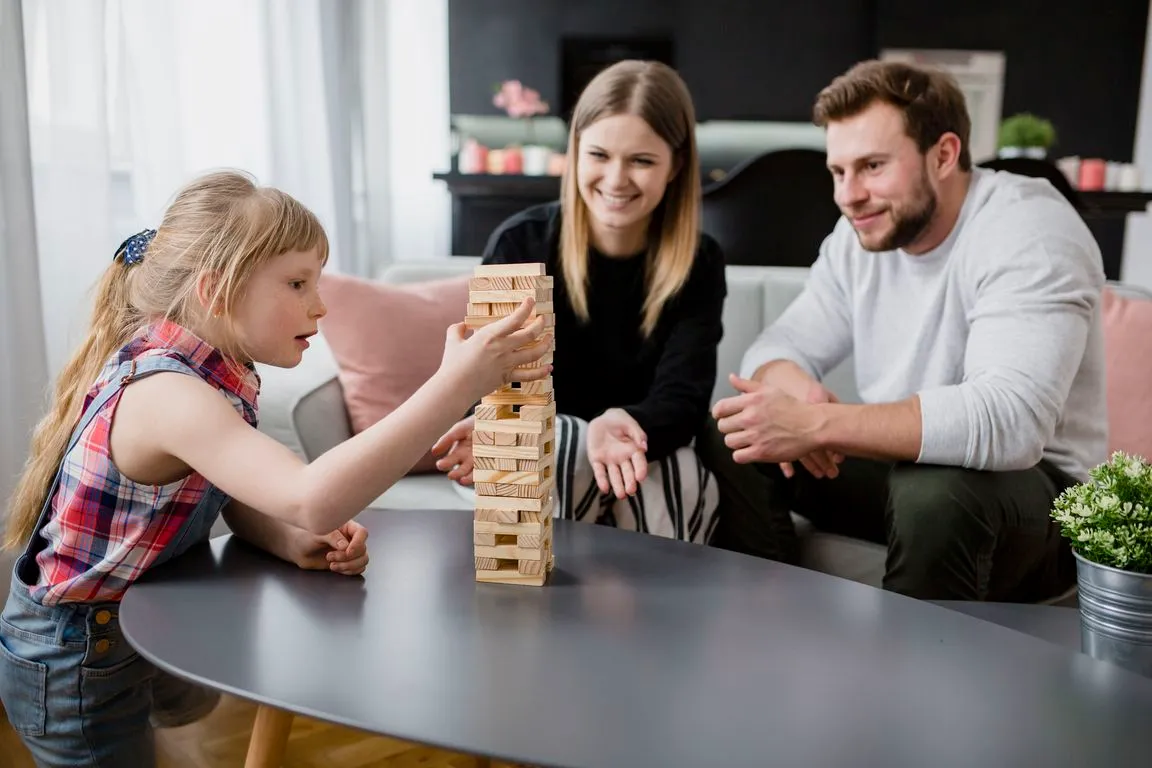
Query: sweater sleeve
column 508, row 245
column 815, row 330
column 677, row 402
column 1037, row 290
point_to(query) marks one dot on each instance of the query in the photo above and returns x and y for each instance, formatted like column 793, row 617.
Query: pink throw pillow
column 1127, row 336
column 387, row 340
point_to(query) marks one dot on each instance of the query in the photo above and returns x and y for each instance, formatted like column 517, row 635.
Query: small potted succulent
column 1108, row 520
column 1026, row 135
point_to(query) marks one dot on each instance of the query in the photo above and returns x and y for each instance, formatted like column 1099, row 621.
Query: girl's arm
column 208, row 435
column 341, row 551
column 258, row 529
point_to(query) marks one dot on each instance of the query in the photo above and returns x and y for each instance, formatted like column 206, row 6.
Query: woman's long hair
column 655, row 93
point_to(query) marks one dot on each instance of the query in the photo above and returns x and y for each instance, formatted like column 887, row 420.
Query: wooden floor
column 221, row 741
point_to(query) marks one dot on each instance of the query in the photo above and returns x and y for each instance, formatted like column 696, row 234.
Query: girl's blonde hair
column 222, row 227
column 655, row 93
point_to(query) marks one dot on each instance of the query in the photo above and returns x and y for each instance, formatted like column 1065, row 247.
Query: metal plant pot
column 1115, row 615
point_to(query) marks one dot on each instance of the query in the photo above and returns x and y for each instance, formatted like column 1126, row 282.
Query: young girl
column 639, row 293
column 151, row 436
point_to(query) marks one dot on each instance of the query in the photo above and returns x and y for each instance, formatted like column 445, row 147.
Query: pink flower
column 519, row 101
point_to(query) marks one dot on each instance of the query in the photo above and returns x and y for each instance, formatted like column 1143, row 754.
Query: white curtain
column 132, row 98
column 23, row 369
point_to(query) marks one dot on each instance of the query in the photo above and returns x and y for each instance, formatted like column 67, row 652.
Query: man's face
column 882, row 184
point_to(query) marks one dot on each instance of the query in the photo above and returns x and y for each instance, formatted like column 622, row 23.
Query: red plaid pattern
column 104, row 530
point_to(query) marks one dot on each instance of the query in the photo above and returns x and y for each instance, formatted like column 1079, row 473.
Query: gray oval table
column 640, row 652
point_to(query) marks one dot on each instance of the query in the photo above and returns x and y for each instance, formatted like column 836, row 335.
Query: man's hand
column 344, row 550
column 762, row 423
column 819, row 464
column 456, row 445
column 616, row 450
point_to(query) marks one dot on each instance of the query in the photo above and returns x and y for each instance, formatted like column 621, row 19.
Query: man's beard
column 908, row 223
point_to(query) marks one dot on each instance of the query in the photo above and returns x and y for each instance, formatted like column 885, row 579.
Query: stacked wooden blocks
column 513, row 442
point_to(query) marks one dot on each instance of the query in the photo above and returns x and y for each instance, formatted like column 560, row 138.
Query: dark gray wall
column 1077, row 62
column 742, row 59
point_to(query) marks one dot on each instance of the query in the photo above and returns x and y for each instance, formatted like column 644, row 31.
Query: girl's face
column 280, row 309
column 622, row 172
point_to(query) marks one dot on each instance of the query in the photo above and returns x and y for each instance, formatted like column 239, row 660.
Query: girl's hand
column 490, row 357
column 456, row 445
column 344, row 550
column 616, row 449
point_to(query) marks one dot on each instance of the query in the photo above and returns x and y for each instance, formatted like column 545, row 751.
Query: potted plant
column 525, row 103
column 1026, row 135
column 1108, row 520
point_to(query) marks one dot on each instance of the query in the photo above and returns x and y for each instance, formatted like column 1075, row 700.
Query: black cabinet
column 480, row 203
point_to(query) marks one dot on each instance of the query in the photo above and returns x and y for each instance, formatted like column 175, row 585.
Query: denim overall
column 76, row 692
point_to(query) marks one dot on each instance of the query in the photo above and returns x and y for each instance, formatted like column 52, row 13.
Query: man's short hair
column 930, row 99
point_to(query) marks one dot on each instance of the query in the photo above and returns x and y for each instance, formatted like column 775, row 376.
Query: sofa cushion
column 1127, row 329
column 387, row 340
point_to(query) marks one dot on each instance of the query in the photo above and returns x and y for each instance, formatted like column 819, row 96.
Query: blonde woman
column 638, row 296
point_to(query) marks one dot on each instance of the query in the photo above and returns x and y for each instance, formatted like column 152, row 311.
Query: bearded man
column 970, row 302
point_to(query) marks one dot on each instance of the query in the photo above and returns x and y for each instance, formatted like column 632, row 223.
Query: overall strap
column 128, row 371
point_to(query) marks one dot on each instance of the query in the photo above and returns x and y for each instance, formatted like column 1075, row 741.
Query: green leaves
column 1109, row 518
column 1026, row 130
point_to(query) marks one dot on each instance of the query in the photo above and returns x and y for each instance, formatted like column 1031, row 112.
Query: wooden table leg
column 269, row 738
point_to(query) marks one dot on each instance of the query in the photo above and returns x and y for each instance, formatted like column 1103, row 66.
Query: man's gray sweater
column 998, row 330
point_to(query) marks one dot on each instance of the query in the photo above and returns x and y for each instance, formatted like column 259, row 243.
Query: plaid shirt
column 105, row 530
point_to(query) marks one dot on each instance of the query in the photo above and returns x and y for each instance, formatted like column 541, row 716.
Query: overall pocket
column 23, row 690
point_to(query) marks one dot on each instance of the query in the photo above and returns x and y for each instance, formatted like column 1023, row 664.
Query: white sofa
column 303, row 407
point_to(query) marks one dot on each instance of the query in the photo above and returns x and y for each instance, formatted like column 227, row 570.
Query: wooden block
column 494, row 283
column 510, row 574
column 484, row 539
column 533, row 452
column 535, row 465
column 511, row 552
column 537, row 412
column 479, row 321
column 509, row 529
column 483, row 438
column 514, row 270
column 523, row 283
column 530, row 438
column 507, row 503
column 492, row 413
column 514, row 426
column 532, row 567
column 488, row 301
column 540, row 538
column 520, row 491
column 538, row 516
column 487, row 564
column 504, row 438
column 511, row 478
column 516, row 398
column 487, row 513
column 537, row 387
column 502, row 309
column 541, row 296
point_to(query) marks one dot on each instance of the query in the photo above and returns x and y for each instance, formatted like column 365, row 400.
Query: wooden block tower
column 513, row 442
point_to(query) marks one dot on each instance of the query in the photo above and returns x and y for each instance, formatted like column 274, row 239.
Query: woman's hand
column 343, row 551
column 616, row 449
column 456, row 445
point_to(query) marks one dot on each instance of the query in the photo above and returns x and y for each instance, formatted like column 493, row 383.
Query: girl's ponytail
column 114, row 321
column 220, row 224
